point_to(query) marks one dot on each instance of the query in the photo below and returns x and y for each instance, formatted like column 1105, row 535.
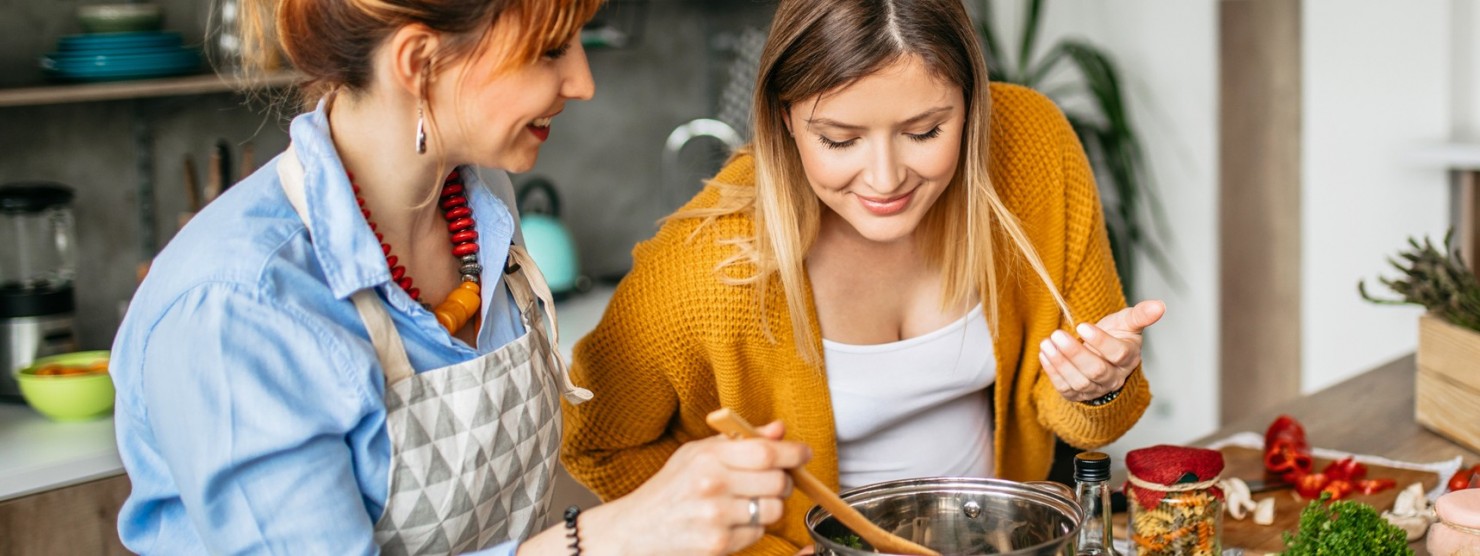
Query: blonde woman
column 908, row 266
column 345, row 354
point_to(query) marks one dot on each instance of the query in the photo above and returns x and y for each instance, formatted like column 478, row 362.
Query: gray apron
column 473, row 445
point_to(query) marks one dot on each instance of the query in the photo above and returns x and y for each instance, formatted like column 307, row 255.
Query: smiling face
column 880, row 151
column 500, row 120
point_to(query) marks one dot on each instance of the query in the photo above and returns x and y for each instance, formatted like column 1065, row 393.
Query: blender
column 38, row 258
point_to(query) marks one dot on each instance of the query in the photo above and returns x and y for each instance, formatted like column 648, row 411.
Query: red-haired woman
column 346, row 354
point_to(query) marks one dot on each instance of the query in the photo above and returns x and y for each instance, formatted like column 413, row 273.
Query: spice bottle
column 1175, row 509
column 1092, row 490
column 1458, row 531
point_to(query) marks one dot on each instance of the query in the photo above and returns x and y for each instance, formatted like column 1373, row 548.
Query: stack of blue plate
column 113, row 56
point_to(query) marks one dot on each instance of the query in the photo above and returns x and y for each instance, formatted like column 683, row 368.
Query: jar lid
column 1461, row 507
column 33, row 196
column 1174, row 467
column 1166, row 464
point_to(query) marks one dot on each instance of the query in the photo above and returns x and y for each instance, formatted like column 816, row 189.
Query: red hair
column 331, row 41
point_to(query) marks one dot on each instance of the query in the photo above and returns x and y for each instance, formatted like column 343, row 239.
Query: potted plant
column 1447, row 398
column 1104, row 128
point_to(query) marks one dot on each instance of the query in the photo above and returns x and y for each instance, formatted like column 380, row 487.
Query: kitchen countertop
column 37, row 454
column 1371, row 413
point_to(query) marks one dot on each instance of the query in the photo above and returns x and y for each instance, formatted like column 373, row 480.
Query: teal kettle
column 546, row 238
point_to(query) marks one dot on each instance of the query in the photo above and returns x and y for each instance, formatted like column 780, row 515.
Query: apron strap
column 528, row 285
column 383, row 335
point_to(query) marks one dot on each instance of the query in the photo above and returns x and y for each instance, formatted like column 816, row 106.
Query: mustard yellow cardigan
column 676, row 343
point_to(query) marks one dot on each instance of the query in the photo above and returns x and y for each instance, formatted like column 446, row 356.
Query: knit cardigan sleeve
column 618, row 439
column 1092, row 289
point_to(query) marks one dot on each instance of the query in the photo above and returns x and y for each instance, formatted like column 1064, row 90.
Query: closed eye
column 923, row 137
column 829, row 143
column 557, row 53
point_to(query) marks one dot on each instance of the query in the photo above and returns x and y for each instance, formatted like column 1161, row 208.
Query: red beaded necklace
column 463, row 302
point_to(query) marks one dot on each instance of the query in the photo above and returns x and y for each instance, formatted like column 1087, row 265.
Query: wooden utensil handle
column 730, row 423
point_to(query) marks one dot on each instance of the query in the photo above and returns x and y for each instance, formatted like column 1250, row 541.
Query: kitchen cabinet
column 79, row 519
column 198, row 84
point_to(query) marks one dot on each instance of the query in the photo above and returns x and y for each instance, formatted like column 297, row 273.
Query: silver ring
column 755, row 512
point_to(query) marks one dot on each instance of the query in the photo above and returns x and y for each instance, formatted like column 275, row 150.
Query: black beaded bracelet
column 573, row 529
column 1102, row 400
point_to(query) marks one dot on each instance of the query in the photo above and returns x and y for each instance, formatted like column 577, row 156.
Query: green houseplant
column 1446, row 398
column 1104, row 128
column 1438, row 280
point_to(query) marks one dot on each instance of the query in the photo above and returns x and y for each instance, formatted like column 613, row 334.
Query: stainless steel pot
column 958, row 516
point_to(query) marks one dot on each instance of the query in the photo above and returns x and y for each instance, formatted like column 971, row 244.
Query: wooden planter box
column 1447, row 399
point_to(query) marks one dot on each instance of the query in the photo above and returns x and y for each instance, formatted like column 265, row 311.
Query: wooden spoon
column 731, row 423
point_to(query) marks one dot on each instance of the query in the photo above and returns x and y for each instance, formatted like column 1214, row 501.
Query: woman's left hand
column 1107, row 353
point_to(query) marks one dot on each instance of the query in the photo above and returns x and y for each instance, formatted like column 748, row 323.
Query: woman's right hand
column 699, row 502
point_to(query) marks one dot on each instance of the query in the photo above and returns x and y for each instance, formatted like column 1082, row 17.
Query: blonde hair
column 820, row 46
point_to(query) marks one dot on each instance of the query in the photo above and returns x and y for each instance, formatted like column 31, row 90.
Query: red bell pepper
column 1347, row 469
column 1465, row 478
column 1285, row 448
column 1310, row 485
column 1339, row 489
column 1374, row 486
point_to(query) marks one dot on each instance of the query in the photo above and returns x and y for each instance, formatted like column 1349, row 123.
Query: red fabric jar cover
column 1169, row 465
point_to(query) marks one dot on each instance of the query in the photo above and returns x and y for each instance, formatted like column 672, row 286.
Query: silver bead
column 473, row 269
column 470, row 259
column 470, row 278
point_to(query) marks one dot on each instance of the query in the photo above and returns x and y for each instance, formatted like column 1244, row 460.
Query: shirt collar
column 347, row 250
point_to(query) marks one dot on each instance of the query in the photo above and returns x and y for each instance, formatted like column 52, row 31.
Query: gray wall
column 604, row 155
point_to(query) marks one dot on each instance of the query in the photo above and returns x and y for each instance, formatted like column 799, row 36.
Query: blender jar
column 38, row 247
column 38, row 259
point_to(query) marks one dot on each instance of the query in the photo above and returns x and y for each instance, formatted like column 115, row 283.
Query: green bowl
column 80, row 397
column 120, row 18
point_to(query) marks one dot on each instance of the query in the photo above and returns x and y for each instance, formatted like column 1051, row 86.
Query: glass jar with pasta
column 1175, row 509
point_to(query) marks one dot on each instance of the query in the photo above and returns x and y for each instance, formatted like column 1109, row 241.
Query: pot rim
column 817, row 514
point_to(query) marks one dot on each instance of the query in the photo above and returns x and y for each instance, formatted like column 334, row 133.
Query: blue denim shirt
column 250, row 414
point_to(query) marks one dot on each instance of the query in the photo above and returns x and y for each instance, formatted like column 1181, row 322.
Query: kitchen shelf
column 116, row 90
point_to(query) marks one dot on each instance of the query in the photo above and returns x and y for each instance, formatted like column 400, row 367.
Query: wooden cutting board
column 1248, row 464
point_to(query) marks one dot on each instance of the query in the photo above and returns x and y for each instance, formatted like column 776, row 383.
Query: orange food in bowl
column 59, row 369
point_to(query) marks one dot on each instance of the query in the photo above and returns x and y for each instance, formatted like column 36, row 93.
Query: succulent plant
column 1438, row 280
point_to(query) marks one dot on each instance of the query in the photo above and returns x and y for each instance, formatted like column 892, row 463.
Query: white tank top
column 916, row 407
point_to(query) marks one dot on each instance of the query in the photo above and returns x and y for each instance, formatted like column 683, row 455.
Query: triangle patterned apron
column 473, row 445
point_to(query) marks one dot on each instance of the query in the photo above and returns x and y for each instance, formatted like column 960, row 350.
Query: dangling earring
column 421, row 131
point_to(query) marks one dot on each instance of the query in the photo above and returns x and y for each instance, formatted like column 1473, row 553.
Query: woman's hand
column 700, row 501
column 1098, row 364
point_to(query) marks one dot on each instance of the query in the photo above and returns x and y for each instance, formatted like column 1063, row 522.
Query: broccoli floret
column 1342, row 528
column 850, row 541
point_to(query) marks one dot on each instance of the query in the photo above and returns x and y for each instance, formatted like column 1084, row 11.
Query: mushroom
column 1412, row 512
column 1264, row 512
column 1237, row 496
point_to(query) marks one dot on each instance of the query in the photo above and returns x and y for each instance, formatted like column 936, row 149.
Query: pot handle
column 538, row 185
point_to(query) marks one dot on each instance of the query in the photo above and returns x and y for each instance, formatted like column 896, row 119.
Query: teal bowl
column 83, row 396
column 120, row 18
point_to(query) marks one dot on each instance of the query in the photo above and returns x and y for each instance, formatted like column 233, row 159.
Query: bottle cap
column 1091, row 467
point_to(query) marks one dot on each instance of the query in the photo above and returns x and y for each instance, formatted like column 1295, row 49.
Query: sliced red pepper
column 1309, row 486
column 1465, row 478
column 1346, row 469
column 1374, row 486
column 1285, row 448
column 1339, row 489
column 1284, row 427
column 1284, row 457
